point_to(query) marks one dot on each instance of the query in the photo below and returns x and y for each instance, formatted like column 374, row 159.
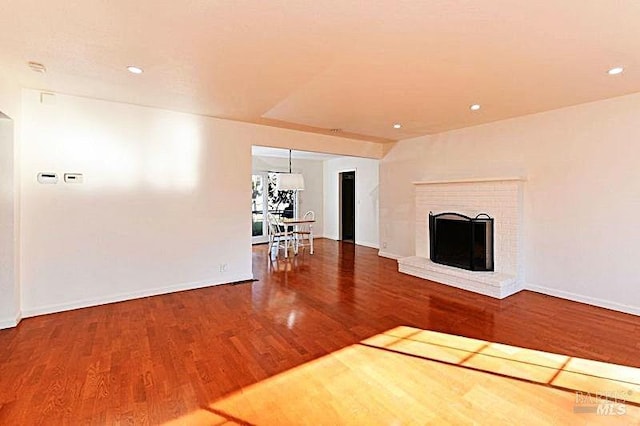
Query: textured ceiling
column 319, row 65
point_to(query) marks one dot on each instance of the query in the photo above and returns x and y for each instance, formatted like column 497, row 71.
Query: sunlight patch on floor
column 409, row 375
column 562, row 371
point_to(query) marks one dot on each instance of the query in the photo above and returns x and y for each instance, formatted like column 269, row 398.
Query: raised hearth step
column 494, row 284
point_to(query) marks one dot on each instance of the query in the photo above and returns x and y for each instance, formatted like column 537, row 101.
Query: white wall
column 165, row 200
column 312, row 197
column 160, row 207
column 8, row 311
column 582, row 196
column 301, row 141
column 9, row 205
column 366, row 198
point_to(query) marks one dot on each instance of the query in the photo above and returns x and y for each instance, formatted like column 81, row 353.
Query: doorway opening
column 348, row 206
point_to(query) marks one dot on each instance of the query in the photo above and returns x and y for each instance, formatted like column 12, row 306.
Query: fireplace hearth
column 461, row 241
column 478, row 253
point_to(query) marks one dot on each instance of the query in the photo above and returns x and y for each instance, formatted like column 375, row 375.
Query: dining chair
column 304, row 232
column 277, row 237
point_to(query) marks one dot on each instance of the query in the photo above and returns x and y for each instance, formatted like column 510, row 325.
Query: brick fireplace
column 502, row 199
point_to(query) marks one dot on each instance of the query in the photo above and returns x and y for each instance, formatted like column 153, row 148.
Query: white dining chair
column 278, row 239
column 304, row 232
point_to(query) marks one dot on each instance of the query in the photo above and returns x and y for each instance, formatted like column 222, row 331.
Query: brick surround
column 501, row 198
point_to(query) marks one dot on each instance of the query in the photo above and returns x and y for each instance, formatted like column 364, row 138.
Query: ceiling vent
column 37, row 67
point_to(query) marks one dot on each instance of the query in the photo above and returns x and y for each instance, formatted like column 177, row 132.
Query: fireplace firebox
column 461, row 241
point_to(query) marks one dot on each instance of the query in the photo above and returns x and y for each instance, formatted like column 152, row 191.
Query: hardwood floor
column 226, row 354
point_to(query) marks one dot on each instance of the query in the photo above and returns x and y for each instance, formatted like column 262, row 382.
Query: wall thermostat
column 47, row 177
column 73, row 177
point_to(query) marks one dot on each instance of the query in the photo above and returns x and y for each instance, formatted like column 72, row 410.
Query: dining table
column 290, row 226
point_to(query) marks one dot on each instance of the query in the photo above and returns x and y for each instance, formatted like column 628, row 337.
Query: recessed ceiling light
column 474, row 107
column 37, row 67
column 397, row 125
column 135, row 70
column 616, row 70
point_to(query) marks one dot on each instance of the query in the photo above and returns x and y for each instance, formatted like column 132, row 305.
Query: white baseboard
column 367, row 244
column 602, row 303
column 11, row 322
column 389, row 255
column 121, row 297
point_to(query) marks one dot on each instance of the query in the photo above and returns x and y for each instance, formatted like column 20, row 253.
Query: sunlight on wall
column 407, row 375
column 171, row 160
column 147, row 149
column 163, row 202
column 105, row 161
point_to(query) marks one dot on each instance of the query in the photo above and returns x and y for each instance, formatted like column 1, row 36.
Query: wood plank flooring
column 211, row 356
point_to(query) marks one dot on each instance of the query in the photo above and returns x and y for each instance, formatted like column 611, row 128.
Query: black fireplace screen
column 461, row 241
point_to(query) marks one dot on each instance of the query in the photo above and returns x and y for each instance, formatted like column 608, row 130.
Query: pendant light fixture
column 290, row 181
